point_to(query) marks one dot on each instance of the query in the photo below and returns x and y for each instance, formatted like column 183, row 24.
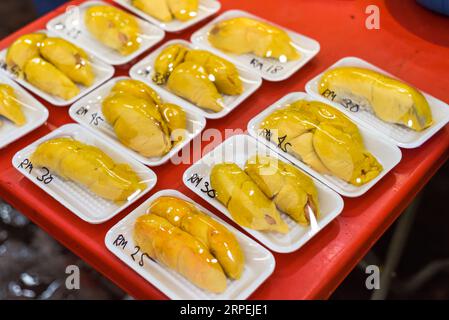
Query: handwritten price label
column 196, row 180
column 137, row 255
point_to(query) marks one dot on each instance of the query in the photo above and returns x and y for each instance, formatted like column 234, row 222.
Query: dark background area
column 32, row 264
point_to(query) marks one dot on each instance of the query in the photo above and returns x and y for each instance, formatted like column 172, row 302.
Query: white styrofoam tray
column 35, row 113
column 385, row 151
column 88, row 112
column 103, row 72
column 206, row 9
column 259, row 262
column 143, row 71
column 75, row 197
column 401, row 135
column 238, row 149
column 268, row 68
column 70, row 25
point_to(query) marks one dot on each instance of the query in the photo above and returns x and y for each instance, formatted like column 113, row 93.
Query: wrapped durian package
column 326, row 143
column 168, row 10
column 389, row 106
column 198, row 76
column 172, row 15
column 84, row 173
column 275, row 201
column 188, row 252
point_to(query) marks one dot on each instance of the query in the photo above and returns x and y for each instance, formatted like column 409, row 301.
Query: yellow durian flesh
column 10, row 107
column 71, row 60
column 179, row 251
column 22, row 50
column 246, row 35
column 166, row 10
column 88, row 166
column 190, row 81
column 391, row 100
column 114, row 28
column 286, row 124
column 323, row 138
column 247, row 204
column 223, row 73
column 167, row 60
column 137, row 124
column 50, row 79
column 137, row 89
column 183, row 10
column 292, row 191
column 156, row 8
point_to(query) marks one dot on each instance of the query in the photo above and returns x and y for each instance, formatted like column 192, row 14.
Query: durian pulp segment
column 179, row 251
column 22, row 50
column 48, row 78
column 114, row 28
column 246, row 202
column 190, row 81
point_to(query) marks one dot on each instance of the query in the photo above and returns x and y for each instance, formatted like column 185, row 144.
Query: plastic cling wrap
column 20, row 113
column 187, row 252
column 172, row 15
column 271, row 51
column 108, row 32
column 389, row 99
column 53, row 68
column 274, row 201
column 133, row 117
column 323, row 138
column 376, row 99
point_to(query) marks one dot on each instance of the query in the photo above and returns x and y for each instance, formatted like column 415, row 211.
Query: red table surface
column 412, row 43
